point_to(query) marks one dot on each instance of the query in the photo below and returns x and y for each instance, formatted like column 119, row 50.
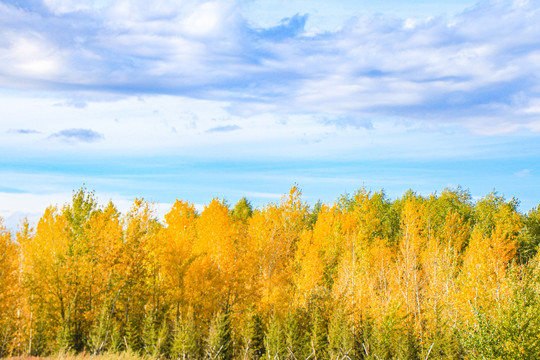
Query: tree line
column 438, row 277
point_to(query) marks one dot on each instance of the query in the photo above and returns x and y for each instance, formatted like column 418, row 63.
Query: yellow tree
column 176, row 240
column 365, row 256
column 409, row 270
column 9, row 291
column 45, row 274
column 483, row 276
column 220, row 259
column 141, row 282
column 273, row 234
column 441, row 261
column 247, row 258
column 59, row 264
column 104, row 261
column 483, row 279
column 316, row 257
column 82, row 260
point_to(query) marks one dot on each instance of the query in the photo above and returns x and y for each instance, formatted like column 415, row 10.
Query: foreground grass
column 124, row 355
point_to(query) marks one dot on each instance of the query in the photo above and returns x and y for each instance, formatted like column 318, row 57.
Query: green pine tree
column 253, row 337
column 318, row 335
column 296, row 335
column 37, row 345
column 99, row 335
column 341, row 341
column 219, row 342
column 132, row 335
column 273, row 339
column 185, row 343
column 155, row 335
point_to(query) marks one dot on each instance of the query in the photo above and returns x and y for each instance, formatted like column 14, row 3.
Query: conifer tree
column 296, row 334
column 341, row 339
column 318, row 335
column 253, row 337
column 99, row 337
column 155, row 335
column 273, row 340
column 219, row 343
column 38, row 337
column 185, row 343
column 133, row 334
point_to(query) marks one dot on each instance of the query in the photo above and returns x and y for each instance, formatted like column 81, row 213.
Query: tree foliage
column 440, row 276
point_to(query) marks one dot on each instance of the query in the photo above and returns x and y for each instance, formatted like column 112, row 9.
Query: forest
column 419, row 277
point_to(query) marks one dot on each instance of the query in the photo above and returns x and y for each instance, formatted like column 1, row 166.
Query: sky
column 194, row 100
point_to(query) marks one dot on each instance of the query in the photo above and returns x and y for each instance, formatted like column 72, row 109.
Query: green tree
column 253, row 336
column 243, row 210
column 341, row 339
column 219, row 343
column 155, row 336
column 273, row 339
column 185, row 343
column 296, row 335
column 513, row 329
column 529, row 238
column 318, row 334
column 99, row 337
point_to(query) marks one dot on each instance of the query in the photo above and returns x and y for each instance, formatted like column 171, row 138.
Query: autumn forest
column 419, row 277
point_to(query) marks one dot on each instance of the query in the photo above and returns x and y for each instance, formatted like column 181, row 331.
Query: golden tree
column 9, row 292
column 176, row 241
column 273, row 234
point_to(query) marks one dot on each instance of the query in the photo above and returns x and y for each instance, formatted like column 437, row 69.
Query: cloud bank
column 479, row 68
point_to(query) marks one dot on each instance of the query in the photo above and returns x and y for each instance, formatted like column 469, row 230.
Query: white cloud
column 199, row 80
column 67, row 6
column 17, row 206
column 204, row 20
column 464, row 69
column 30, row 55
column 523, row 173
column 14, row 207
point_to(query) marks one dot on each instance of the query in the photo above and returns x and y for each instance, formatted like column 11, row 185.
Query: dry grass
column 126, row 355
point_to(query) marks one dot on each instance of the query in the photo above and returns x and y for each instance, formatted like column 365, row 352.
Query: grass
column 124, row 355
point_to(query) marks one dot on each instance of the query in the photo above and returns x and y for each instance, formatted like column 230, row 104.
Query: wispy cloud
column 224, row 128
column 78, row 135
column 347, row 121
column 23, row 131
column 78, row 104
column 461, row 69
column 523, row 173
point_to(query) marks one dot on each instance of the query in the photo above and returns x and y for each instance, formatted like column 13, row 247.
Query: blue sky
column 201, row 99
